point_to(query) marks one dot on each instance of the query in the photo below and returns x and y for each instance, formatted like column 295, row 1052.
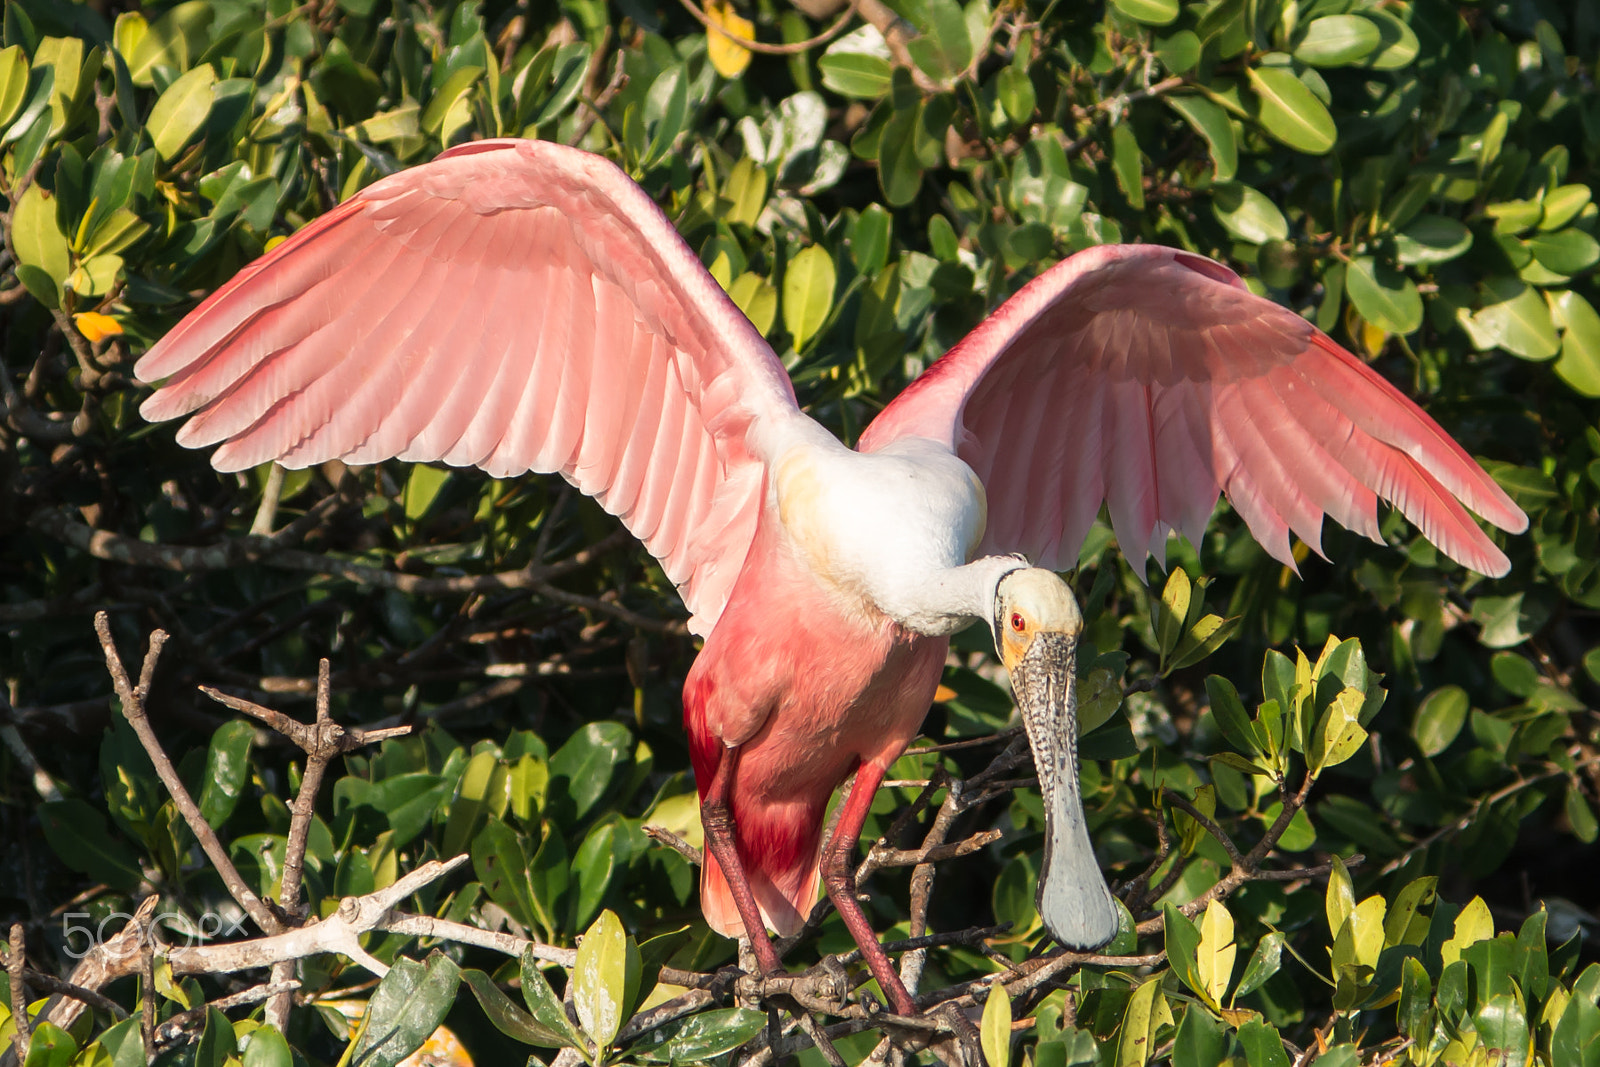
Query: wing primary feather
column 255, row 414
column 634, row 464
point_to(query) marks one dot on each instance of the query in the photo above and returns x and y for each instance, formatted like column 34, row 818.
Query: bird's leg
column 840, row 880
column 716, row 818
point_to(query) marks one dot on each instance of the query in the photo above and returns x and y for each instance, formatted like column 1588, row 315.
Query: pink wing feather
column 1151, row 379
column 514, row 305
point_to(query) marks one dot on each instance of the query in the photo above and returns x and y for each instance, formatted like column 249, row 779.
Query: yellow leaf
column 1474, row 924
column 96, row 327
column 727, row 55
column 1216, row 953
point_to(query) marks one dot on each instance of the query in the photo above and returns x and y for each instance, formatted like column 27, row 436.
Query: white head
column 1029, row 602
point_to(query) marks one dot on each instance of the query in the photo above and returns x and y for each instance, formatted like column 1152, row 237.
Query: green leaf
column 1337, row 41
column 1200, row 1041
column 899, row 170
column 756, row 297
column 267, row 1048
column 422, row 489
column 746, row 191
column 1416, row 999
column 600, row 979
column 1565, row 251
column 1014, row 89
column 13, row 82
column 1502, row 1025
column 808, row 293
column 1580, row 816
column 1212, row 123
column 593, row 867
column 869, row 241
column 548, row 1011
column 1204, row 638
column 50, row 1046
column 217, row 1046
column 995, row 1032
column 410, row 801
column 702, row 1038
column 1439, row 719
column 1340, row 899
column 177, row 39
column 1397, row 924
column 482, row 789
column 499, row 862
column 1178, row 52
column 1248, row 214
column 1576, row 1039
column 1290, row 112
column 1400, row 45
column 407, row 1007
column 583, row 769
column 1384, row 296
column 1146, row 1012
column 1125, row 163
column 1431, row 239
column 666, row 111
column 1339, row 733
column 40, row 243
column 1262, row 1045
column 181, row 111
column 1262, row 965
column 1519, row 321
column 1149, row 12
column 1182, row 945
column 503, row 1012
column 227, row 770
column 1562, row 204
column 77, row 833
column 1579, row 365
column 1230, row 716
column 856, row 74
column 1172, row 610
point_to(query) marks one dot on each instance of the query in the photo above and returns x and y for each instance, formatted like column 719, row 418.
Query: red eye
column 1017, row 622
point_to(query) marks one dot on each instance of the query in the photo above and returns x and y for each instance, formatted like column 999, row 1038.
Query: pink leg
column 716, row 817
column 839, row 877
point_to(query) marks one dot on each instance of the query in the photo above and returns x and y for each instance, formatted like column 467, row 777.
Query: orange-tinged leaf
column 96, row 327
column 727, row 55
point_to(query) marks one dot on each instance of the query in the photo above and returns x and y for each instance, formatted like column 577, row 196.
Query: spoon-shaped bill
column 1073, row 898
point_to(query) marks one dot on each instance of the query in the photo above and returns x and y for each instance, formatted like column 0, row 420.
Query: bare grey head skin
column 1036, row 624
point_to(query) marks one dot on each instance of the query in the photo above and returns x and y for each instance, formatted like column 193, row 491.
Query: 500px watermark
column 81, row 938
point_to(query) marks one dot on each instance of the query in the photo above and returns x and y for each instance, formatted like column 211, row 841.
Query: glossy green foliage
column 1414, row 176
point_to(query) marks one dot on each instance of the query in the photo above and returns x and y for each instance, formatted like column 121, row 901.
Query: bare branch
column 51, row 984
column 16, row 964
column 133, row 710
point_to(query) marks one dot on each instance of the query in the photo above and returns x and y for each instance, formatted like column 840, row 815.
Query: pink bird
column 523, row 306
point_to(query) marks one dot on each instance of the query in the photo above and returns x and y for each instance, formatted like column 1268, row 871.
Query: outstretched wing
column 1152, row 379
column 514, row 305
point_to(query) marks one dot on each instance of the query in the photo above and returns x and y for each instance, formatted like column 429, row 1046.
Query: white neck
column 948, row 600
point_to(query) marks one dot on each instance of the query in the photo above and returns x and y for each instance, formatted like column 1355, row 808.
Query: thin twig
column 51, row 984
column 773, row 49
column 172, row 1029
column 133, row 710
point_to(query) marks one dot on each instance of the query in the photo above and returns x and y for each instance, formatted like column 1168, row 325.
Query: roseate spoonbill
column 524, row 306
